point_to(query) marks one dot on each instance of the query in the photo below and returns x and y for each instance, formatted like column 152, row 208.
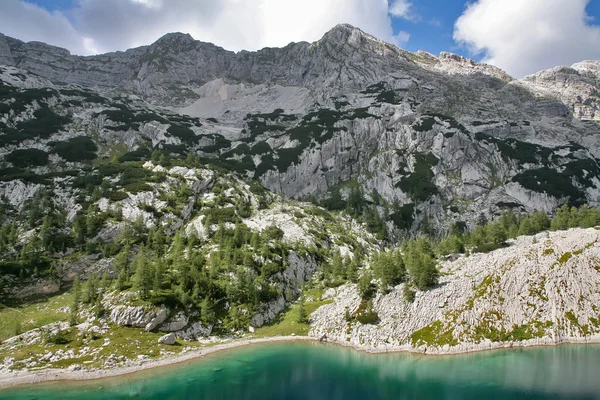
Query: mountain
column 202, row 192
column 437, row 138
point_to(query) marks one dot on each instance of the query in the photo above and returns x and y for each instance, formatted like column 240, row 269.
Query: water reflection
column 313, row 371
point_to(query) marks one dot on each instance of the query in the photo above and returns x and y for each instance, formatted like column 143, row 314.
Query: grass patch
column 34, row 315
column 434, row 334
column 288, row 322
column 565, row 257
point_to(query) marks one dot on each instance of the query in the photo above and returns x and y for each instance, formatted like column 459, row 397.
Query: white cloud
column 401, row 38
column 93, row 26
column 400, row 8
column 29, row 22
column 524, row 37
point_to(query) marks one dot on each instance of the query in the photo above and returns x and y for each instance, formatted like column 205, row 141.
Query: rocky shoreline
column 18, row 378
column 23, row 378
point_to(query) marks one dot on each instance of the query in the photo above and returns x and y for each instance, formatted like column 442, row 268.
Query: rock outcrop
column 543, row 289
column 138, row 316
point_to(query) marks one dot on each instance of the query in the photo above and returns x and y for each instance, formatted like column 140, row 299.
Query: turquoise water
column 316, row 371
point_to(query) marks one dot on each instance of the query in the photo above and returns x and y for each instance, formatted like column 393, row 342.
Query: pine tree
column 122, row 279
column 526, row 227
column 496, row 233
column 76, row 298
column 540, row 221
column 47, row 234
column 365, row 285
column 106, row 281
column 302, row 316
column 143, row 274
column 420, row 263
column 561, row 219
column 207, row 313
column 352, row 269
column 338, row 265
column 159, row 274
column 91, row 290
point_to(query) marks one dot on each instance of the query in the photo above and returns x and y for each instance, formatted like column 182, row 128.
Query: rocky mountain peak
column 175, row 38
column 343, row 34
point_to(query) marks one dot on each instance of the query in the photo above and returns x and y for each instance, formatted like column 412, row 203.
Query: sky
column 519, row 36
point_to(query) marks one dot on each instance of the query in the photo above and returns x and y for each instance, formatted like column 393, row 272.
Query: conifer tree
column 143, row 274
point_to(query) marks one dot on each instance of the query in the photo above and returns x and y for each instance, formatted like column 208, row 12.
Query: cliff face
column 439, row 138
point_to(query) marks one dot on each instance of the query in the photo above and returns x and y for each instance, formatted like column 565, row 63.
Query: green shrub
column 140, row 154
column 138, row 187
column 419, row 185
column 10, row 174
column 365, row 313
column 118, row 196
column 44, row 124
column 550, row 181
column 219, row 143
column 218, row 215
column 184, row 133
column 27, row 158
column 273, row 233
column 81, row 148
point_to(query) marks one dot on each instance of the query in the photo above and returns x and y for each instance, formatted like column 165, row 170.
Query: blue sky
column 519, row 36
column 433, row 28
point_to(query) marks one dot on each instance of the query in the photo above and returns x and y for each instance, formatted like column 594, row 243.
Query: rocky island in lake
column 178, row 199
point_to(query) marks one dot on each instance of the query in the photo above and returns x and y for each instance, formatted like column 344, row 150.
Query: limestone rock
column 168, row 339
column 138, row 316
column 195, row 331
column 175, row 323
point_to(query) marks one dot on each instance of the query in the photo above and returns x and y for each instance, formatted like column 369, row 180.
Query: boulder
column 167, row 339
column 195, row 331
column 176, row 323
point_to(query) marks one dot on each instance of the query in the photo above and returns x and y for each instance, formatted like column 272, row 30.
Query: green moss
column 565, row 257
column 434, row 334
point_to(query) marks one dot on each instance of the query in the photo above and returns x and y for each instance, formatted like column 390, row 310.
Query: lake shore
column 21, row 378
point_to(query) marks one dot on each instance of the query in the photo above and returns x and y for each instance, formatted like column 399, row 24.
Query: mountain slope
column 541, row 290
column 428, row 140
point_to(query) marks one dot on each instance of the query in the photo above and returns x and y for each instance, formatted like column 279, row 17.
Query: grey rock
column 168, row 339
column 175, row 323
